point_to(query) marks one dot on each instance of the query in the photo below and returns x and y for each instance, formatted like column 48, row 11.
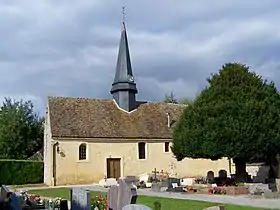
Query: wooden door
column 113, row 168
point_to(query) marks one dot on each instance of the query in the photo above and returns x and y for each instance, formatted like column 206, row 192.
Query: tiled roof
column 101, row 118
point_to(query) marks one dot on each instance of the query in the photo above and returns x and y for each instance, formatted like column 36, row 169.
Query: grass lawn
column 166, row 203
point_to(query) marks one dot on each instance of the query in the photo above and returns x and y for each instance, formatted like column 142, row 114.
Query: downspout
column 54, row 163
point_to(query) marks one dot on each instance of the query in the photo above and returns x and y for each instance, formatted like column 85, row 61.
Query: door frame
column 121, row 165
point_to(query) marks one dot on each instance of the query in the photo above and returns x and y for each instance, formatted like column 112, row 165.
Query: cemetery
column 160, row 181
column 123, row 193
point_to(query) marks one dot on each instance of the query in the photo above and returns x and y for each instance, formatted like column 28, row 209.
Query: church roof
column 102, row 118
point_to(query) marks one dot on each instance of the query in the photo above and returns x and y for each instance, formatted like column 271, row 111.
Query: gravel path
column 243, row 200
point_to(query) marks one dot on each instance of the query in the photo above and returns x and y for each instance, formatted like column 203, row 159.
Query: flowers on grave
column 35, row 199
column 23, row 195
column 99, row 202
column 190, row 189
column 258, row 191
column 217, row 190
column 53, row 203
column 29, row 199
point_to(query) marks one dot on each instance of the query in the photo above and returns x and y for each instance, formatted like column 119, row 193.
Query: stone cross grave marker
column 80, row 199
column 155, row 172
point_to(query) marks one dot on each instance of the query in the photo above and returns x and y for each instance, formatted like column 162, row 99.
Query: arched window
column 82, row 152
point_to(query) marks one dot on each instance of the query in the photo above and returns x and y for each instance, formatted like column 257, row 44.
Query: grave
column 80, row 199
column 270, row 195
column 169, row 184
column 7, row 194
column 174, row 185
column 236, row 190
column 107, row 182
column 210, row 177
column 123, row 194
column 159, row 186
column 253, row 187
column 136, row 207
column 187, row 181
column 215, row 208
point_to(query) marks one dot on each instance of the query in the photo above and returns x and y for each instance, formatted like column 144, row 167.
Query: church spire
column 124, row 88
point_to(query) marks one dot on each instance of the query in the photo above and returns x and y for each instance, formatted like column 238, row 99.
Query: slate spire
column 124, row 87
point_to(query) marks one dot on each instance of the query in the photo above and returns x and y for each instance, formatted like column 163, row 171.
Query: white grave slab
column 136, row 207
column 107, row 182
column 187, row 181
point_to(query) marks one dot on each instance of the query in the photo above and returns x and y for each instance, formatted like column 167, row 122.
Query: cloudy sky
column 69, row 47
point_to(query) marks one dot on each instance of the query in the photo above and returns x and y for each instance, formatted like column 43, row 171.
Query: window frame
column 165, row 146
column 85, row 152
column 139, row 152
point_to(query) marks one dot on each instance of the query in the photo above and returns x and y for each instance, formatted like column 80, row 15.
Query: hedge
column 16, row 172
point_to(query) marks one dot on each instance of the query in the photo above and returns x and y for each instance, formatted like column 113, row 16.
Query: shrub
column 16, row 172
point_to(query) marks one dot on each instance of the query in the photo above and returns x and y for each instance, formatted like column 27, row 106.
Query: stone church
column 87, row 139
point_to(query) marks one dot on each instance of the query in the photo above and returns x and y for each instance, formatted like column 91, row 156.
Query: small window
column 83, row 152
column 142, row 150
column 166, row 147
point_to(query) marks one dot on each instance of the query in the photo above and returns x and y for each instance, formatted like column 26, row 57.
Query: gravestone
column 15, row 202
column 123, row 194
column 80, row 199
column 63, row 205
column 171, row 182
column 222, row 174
column 155, row 172
column 159, row 186
column 136, row 207
column 270, row 195
column 113, row 197
column 210, row 177
column 257, row 186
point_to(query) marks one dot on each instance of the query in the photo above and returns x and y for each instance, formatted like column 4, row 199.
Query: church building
column 87, row 139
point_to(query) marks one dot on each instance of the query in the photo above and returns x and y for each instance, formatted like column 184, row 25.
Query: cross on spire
column 123, row 14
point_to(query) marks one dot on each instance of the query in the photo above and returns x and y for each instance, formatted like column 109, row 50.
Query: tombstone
column 171, row 181
column 80, row 199
column 6, row 193
column 136, row 207
column 222, row 174
column 123, row 194
column 270, row 195
column 155, row 172
column 210, row 177
column 112, row 197
column 63, row 205
column 257, row 186
column 159, row 186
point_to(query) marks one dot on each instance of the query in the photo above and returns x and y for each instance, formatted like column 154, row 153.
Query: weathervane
column 123, row 14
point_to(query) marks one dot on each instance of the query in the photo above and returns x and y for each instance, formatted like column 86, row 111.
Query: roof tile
column 101, row 118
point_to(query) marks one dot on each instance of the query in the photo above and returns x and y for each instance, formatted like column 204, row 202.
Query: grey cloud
column 69, row 48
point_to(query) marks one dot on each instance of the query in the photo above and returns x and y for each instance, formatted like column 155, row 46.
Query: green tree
column 170, row 98
column 185, row 101
column 21, row 130
column 236, row 116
